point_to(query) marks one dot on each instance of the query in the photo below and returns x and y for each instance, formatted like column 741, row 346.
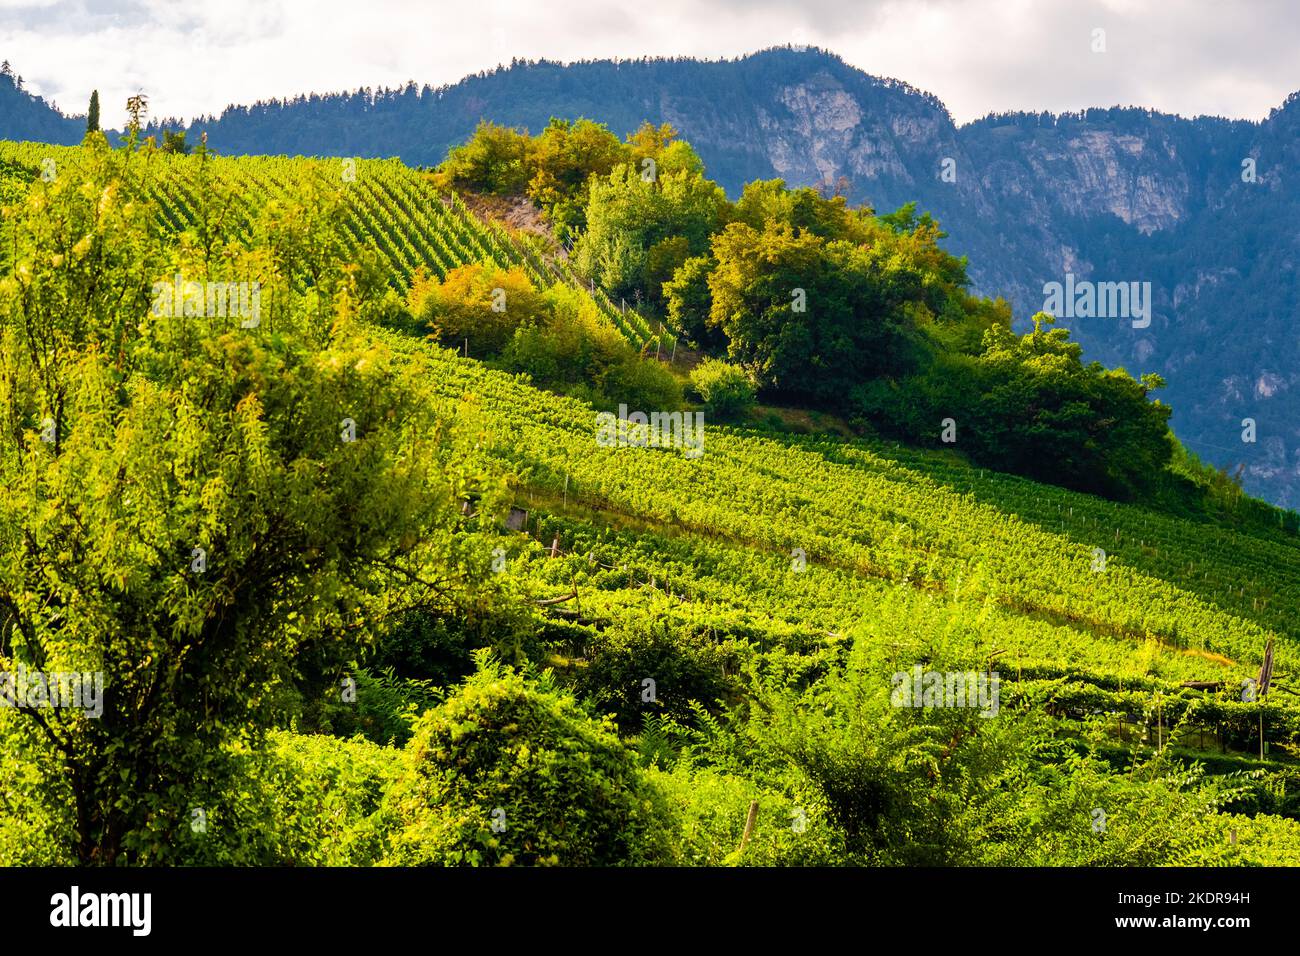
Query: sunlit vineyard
column 877, row 517
column 389, row 208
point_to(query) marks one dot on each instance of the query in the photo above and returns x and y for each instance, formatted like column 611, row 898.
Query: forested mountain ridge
column 26, row 116
column 1125, row 195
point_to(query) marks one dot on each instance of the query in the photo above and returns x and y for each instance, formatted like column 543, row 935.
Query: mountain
column 24, row 116
column 1107, row 195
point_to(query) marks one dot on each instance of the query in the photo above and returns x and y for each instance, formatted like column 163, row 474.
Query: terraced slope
column 387, row 207
column 912, row 549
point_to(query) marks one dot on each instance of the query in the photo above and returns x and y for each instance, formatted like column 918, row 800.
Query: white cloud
column 1195, row 56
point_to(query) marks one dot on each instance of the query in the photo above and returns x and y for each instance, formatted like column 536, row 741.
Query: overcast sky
column 1235, row 59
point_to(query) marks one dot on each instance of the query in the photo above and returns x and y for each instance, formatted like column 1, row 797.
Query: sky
column 1235, row 59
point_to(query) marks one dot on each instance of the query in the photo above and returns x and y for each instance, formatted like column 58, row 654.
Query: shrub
column 685, row 667
column 640, row 383
column 727, row 391
column 300, row 800
column 522, row 756
column 382, row 706
column 481, row 304
column 789, row 830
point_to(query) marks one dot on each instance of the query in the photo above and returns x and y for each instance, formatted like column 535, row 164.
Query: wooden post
column 555, row 545
column 749, row 826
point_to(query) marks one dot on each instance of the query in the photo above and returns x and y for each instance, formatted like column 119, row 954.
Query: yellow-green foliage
column 507, row 771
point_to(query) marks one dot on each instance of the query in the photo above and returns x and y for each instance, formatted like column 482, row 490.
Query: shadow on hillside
column 1254, row 593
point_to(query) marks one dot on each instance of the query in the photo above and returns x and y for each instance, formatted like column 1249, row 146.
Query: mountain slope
column 24, row 116
column 1110, row 195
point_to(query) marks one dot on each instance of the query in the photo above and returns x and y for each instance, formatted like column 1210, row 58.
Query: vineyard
column 872, row 518
column 774, row 568
column 388, row 208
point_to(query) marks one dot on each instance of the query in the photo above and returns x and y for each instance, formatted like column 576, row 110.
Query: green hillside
column 623, row 650
column 387, row 208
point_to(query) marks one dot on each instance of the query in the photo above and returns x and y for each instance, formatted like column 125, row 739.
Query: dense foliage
column 556, row 336
column 510, row 771
column 187, row 506
column 825, row 303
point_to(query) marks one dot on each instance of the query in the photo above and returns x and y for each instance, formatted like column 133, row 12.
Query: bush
column 561, row 784
column 789, row 830
column 685, row 668
column 481, row 304
column 381, row 708
column 298, row 800
column 727, row 391
column 640, row 383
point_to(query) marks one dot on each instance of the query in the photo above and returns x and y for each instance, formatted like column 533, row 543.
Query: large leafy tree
column 494, row 159
column 187, row 506
column 1043, row 412
column 562, row 159
column 807, row 316
column 766, row 201
column 641, row 228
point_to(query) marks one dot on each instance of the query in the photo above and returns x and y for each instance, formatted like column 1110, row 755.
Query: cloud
column 1185, row 56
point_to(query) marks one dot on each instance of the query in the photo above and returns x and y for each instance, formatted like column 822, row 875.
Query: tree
column 483, row 304
column 137, row 107
column 494, row 160
column 92, row 114
column 662, row 145
column 1043, row 413
column 187, row 507
column 174, row 142
column 689, row 304
column 806, row 316
column 765, row 201
column 563, row 159
column 1030, row 405
column 630, row 215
